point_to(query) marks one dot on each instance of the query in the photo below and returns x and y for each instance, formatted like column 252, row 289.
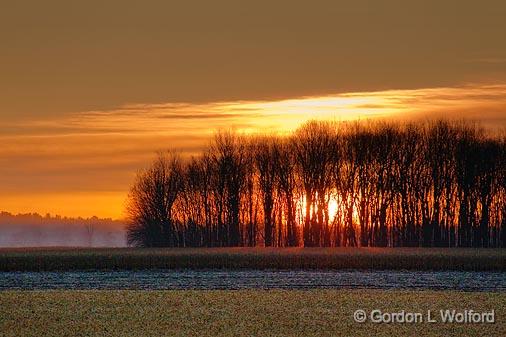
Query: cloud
column 99, row 151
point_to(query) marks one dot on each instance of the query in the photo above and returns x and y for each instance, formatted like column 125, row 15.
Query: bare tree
column 228, row 154
column 265, row 163
column 422, row 184
column 89, row 226
column 314, row 145
column 151, row 201
column 287, row 184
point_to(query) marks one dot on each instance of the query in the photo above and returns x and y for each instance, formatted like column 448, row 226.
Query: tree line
column 328, row 184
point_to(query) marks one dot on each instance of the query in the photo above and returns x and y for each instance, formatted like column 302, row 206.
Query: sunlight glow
column 98, row 151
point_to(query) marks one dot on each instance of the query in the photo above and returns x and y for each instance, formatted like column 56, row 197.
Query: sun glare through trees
column 433, row 184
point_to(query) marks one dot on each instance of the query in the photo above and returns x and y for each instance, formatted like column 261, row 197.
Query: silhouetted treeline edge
column 328, row 184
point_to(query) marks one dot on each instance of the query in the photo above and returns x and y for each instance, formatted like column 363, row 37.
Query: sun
column 333, row 208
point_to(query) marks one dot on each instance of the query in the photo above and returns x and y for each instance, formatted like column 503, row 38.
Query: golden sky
column 90, row 90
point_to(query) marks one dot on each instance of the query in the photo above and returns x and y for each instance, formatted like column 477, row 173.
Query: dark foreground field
column 237, row 313
column 65, row 259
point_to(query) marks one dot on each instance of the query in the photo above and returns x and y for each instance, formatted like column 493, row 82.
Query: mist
column 35, row 230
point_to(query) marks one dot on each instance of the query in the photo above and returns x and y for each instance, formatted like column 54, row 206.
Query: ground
column 237, row 313
column 461, row 259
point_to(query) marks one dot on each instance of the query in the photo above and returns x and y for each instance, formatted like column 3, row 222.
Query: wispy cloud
column 282, row 115
column 99, row 152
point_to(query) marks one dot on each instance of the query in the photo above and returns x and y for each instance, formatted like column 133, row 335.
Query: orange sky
column 90, row 90
column 83, row 163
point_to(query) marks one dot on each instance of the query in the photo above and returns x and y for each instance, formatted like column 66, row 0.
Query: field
column 64, row 259
column 237, row 313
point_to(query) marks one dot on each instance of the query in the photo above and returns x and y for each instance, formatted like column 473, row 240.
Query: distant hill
column 34, row 230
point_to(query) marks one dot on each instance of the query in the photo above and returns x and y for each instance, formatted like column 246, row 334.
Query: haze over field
column 35, row 230
column 89, row 93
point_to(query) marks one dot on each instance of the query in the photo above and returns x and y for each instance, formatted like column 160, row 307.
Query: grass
column 236, row 313
column 61, row 259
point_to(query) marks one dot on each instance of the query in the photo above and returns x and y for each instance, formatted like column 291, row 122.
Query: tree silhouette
column 151, row 202
column 437, row 183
